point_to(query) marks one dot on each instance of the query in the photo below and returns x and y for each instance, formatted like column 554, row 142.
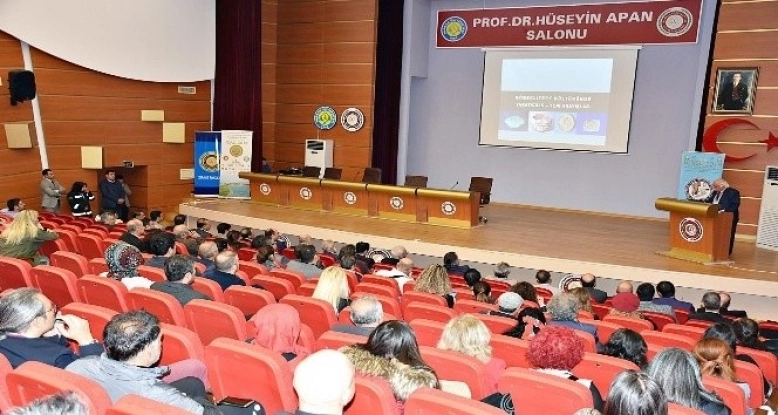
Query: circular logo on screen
column 350, row 198
column 325, row 118
column 352, row 119
column 264, row 188
column 698, row 189
column 209, row 161
column 396, row 203
column 691, row 229
column 453, row 29
column 674, row 21
column 306, row 193
column 448, row 208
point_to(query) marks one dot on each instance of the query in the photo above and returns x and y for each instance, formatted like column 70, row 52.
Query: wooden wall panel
column 745, row 45
column 269, row 52
column 748, row 16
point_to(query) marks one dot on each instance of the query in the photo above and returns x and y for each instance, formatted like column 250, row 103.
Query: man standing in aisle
column 51, row 192
column 112, row 192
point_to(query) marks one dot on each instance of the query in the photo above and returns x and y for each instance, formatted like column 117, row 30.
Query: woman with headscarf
column 123, row 260
column 278, row 329
column 23, row 238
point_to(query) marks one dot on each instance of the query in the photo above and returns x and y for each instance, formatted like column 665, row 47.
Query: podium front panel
column 448, row 207
column 392, row 202
column 350, row 198
column 264, row 187
column 301, row 192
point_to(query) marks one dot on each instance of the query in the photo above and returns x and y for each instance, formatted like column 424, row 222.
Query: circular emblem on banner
column 396, row 203
column 453, row 29
column 448, row 208
column 209, row 161
column 352, row 119
column 325, row 118
column 691, row 229
column 264, row 188
column 306, row 193
column 675, row 21
column 570, row 281
column 698, row 189
column 350, row 198
column 236, row 150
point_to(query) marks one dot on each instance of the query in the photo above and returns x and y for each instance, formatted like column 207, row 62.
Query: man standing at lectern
column 728, row 200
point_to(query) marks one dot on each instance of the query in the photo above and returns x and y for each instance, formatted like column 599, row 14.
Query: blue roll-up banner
column 206, row 162
column 698, row 171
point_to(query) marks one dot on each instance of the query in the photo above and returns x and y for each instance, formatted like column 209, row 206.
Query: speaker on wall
column 21, row 85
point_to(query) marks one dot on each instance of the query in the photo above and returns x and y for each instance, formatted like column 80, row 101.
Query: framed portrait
column 735, row 91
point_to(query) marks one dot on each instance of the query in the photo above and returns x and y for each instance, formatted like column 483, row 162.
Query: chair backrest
column 181, row 249
column 280, row 288
column 105, row 292
column 100, row 232
column 90, row 245
column 49, row 247
column 590, row 345
column 248, row 299
column 71, row 261
column 676, row 409
column 179, row 343
column 390, row 283
column 251, row 268
column 105, row 243
column 378, row 289
column 694, row 333
column 439, row 313
column 326, row 260
column 5, row 397
column 153, row 273
column 415, row 296
column 14, row 273
column 332, row 173
column 463, row 306
column 729, row 392
column 371, row 175
column 306, row 289
column 601, row 310
column 372, row 395
column 765, row 360
column 211, row 320
column 247, row 254
column 450, row 365
column 98, row 317
column 163, row 305
column 602, row 369
column 69, row 237
column 238, row 369
column 665, row 340
column 635, row 324
column 428, row 332
column 416, row 181
column 482, row 185
column 297, row 279
column 97, row 266
column 681, row 315
column 496, row 324
column 752, row 375
column 316, row 314
column 335, row 340
column 208, row 287
column 137, row 405
column 311, row 171
column 427, row 401
column 510, row 349
column 659, row 319
column 604, row 329
column 533, row 390
column 699, row 323
column 58, row 284
column 33, row 380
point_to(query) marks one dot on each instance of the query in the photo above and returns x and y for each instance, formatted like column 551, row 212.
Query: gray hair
column 226, row 260
column 711, row 301
column 399, row 252
column 64, row 403
column 564, row 307
column 502, row 270
column 19, row 308
column 207, row 249
column 678, row 374
column 635, row 393
column 366, row 310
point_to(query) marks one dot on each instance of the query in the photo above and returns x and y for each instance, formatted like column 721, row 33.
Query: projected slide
column 558, row 99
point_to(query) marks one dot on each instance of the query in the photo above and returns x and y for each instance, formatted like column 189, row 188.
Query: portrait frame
column 728, row 98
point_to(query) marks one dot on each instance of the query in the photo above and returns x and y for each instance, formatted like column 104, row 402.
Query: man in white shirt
column 401, row 272
column 543, row 278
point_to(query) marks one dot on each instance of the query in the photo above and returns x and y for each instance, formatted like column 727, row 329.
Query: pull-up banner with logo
column 646, row 22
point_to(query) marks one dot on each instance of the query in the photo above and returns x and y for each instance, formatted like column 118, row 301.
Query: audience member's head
column 25, row 311
column 502, row 270
column 108, row 217
column 328, row 246
column 324, row 383
column 366, row 311
column 628, row 345
column 723, row 332
column 584, row 298
column 626, row 302
column 332, row 286
column 265, row 253
column 180, row 268
column 725, row 300
column 468, row 335
column 472, row 276
column 450, row 259
column 747, row 332
column 162, row 244
column 181, row 231
column 678, row 374
column 227, row 261
column 588, row 280
column 395, row 339
column 404, row 265
column 15, row 204
column 223, row 228
column 135, row 227
column 133, row 338
column 555, row 348
column 635, row 393
column 482, row 292
column 509, row 302
column 711, row 302
column 203, row 224
column 122, row 260
column 246, row 233
column 179, row 220
column 666, row 289
column 362, row 248
column 645, row 292
column 624, row 287
column 306, row 253
column 347, row 250
column 526, row 291
column 63, row 403
column 207, row 250
column 155, row 215
column 221, row 244
column 564, row 307
column 139, row 215
column 543, row 277
column 715, row 358
column 278, row 328
column 433, row 280
column 260, row 240
column 399, row 252
column 348, row 262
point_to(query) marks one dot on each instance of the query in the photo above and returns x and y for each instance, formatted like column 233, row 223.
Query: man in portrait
column 733, row 93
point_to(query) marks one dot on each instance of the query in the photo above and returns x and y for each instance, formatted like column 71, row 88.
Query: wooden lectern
column 698, row 231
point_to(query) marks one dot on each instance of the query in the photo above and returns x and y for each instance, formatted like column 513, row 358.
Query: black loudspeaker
column 21, row 85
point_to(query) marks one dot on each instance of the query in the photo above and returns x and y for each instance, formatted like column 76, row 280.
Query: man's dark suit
column 708, row 316
column 733, row 97
column 729, row 202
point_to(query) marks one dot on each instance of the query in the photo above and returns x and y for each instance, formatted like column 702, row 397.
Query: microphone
column 455, row 185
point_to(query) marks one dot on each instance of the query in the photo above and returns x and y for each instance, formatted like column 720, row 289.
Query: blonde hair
column 25, row 226
column 332, row 286
column 467, row 335
column 434, row 280
column 583, row 298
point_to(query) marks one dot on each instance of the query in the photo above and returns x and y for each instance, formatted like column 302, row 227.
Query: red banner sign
column 675, row 21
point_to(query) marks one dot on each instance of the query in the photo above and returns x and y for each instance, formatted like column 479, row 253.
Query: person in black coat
column 728, row 199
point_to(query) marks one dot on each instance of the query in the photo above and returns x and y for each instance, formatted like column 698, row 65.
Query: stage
column 613, row 248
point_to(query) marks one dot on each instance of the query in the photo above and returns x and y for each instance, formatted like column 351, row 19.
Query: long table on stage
column 404, row 203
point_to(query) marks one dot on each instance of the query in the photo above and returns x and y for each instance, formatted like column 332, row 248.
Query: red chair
column 384, row 281
column 564, row 396
column 75, row 227
column 181, row 249
column 100, row 232
column 496, row 324
column 212, row 320
column 14, row 273
column 179, row 343
column 50, row 247
column 450, row 365
column 297, row 279
column 585, row 315
column 90, row 245
column 335, row 340
column 353, row 280
column 280, row 288
column 415, row 296
column 601, row 310
column 694, row 333
column 752, row 375
column 326, row 261
column 544, row 293
column 58, row 284
column 429, row 312
column 5, row 397
column 729, row 392
column 665, row 340
column 765, row 360
column 71, row 261
column 289, row 253
column 390, row 305
column 376, row 289
column 379, row 266
column 137, row 405
column 247, row 254
column 105, row 292
column 699, row 323
column 252, row 268
column 590, row 345
column 97, row 266
column 681, row 315
column 33, row 380
column 152, row 273
column 248, row 299
column 427, row 401
column 209, row 287
column 242, row 275
column 635, row 324
column 604, row 329
column 464, row 306
column 107, row 242
column 69, row 237
column 602, row 369
column 428, row 332
column 408, row 287
column 510, row 349
column 98, row 317
column 372, row 396
column 675, row 409
column 660, row 320
column 306, row 339
column 307, row 289
column 164, row 306
column 234, row 367
column 316, row 314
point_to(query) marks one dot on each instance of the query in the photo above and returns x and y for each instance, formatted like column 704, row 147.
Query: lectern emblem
column 350, row 198
column 306, row 193
column 396, row 203
column 690, row 229
column 448, row 208
column 264, row 188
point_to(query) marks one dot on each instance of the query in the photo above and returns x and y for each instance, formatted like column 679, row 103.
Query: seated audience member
column 305, row 262
column 23, row 238
column 258, row 241
column 349, row 263
column 588, row 282
column 224, row 272
column 179, row 220
column 13, row 207
column 266, row 256
column 482, row 292
column 79, row 198
column 507, row 305
column 32, row 329
column 180, row 271
column 63, row 403
column 451, row 264
column 305, row 239
column 139, row 215
column 634, row 393
column 531, row 320
column 184, row 236
column 470, row 336
column 434, row 280
column 366, row 314
column 584, row 299
column 134, row 235
column 278, row 329
column 364, row 263
column 724, row 309
column 502, row 270
column 324, row 383
column 203, row 229
column 711, row 302
column 471, row 277
column 123, row 260
column 726, row 333
column 747, row 333
column 401, row 272
column 626, row 305
column 398, row 252
column 646, row 293
column 716, row 359
column 628, row 345
column 155, row 220
column 624, row 287
column 206, row 254
column 563, row 309
column 392, row 353
column 221, row 244
column 222, row 229
column 333, row 288
column 108, row 220
column 347, row 250
column 666, row 291
column 528, row 293
column 543, row 279
column 234, row 241
column 678, row 374
column 163, row 246
column 328, row 250
column 246, row 235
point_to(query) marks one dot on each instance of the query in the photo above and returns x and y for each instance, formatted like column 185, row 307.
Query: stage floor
column 567, row 242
